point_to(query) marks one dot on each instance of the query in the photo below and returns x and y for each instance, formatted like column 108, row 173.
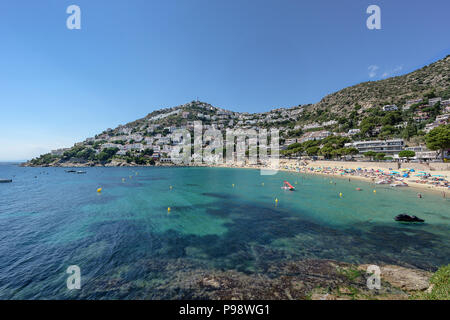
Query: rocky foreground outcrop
column 293, row 280
column 309, row 279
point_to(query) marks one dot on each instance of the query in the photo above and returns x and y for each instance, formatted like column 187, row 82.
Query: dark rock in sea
column 408, row 218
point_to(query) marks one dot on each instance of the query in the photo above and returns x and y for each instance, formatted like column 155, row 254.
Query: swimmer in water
column 419, row 196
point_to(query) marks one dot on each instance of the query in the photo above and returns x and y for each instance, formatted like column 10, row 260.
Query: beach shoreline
column 295, row 166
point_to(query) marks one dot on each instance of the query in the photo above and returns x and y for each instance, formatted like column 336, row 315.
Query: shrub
column 441, row 286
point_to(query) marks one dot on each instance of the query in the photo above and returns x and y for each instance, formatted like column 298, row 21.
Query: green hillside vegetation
column 397, row 90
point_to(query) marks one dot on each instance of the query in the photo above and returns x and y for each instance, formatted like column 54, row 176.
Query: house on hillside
column 315, row 135
column 390, row 107
column 354, row 131
column 445, row 103
column 432, row 102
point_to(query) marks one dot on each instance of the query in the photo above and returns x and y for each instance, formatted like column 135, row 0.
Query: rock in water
column 408, row 218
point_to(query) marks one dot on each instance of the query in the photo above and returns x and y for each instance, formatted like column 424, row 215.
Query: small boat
column 408, row 218
column 71, row 171
column 5, row 180
column 382, row 182
column 81, row 172
column 288, row 186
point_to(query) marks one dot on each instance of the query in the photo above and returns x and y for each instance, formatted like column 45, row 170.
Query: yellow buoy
column 374, row 191
column 233, row 185
column 340, row 194
column 170, row 187
column 168, row 209
column 99, row 190
column 276, row 200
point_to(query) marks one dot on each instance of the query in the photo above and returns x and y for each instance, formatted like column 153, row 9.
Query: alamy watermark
column 374, row 280
column 240, row 146
column 374, row 20
column 74, row 20
column 74, row 280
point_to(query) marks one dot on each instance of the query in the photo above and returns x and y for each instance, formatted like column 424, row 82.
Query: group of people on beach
column 379, row 176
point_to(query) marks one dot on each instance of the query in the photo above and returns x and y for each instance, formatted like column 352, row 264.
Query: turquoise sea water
column 129, row 246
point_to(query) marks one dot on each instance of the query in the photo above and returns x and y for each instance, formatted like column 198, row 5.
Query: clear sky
column 59, row 86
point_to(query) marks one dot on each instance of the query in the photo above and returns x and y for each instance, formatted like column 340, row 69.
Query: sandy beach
column 423, row 180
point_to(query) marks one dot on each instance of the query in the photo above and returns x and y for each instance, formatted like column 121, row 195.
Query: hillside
column 405, row 107
column 396, row 90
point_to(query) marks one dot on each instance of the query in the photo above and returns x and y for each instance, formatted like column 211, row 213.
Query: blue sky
column 59, row 86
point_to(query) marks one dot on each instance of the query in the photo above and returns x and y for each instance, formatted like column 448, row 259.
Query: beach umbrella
column 412, row 170
column 438, row 175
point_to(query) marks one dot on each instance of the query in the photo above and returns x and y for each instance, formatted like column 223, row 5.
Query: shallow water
column 127, row 244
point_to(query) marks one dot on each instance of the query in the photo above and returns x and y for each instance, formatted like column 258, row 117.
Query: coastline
column 293, row 166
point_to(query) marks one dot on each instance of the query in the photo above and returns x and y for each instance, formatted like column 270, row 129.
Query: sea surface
column 129, row 246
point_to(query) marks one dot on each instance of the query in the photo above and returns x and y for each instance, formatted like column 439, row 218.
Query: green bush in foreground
column 441, row 286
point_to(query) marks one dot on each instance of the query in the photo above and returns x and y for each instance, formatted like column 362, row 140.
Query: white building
column 329, row 123
column 409, row 103
column 149, row 140
column 134, row 146
column 59, row 152
column 121, row 152
column 390, row 107
column 354, row 131
column 387, row 146
column 422, row 153
column 111, row 145
column 315, row 135
column 432, row 102
column 288, row 142
column 135, row 137
column 311, row 126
